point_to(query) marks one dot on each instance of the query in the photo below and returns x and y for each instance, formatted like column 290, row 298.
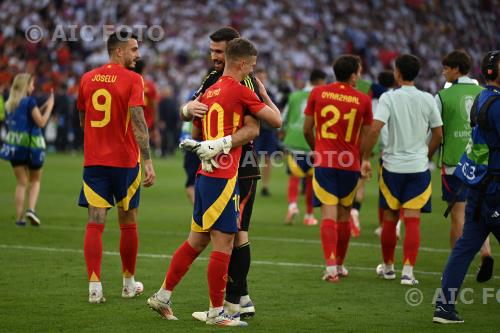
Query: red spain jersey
column 227, row 101
column 105, row 95
column 339, row 112
column 150, row 99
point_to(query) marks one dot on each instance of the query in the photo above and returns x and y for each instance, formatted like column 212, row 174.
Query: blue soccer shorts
column 216, row 204
column 334, row 186
column 299, row 165
column 405, row 190
column 103, row 186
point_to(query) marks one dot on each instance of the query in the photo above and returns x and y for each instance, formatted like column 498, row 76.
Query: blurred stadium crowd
column 293, row 37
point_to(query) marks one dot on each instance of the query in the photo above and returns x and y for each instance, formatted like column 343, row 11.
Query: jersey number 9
column 102, row 107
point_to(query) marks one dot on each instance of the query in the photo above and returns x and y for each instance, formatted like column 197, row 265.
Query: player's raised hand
column 210, row 148
column 196, row 108
column 262, row 88
column 149, row 173
column 189, row 144
column 366, row 169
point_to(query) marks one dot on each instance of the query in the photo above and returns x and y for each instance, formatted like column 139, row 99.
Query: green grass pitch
column 43, row 276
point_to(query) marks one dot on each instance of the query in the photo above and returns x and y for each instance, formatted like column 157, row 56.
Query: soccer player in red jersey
column 337, row 118
column 110, row 104
column 216, row 203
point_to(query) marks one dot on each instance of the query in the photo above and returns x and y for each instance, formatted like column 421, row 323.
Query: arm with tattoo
column 140, row 131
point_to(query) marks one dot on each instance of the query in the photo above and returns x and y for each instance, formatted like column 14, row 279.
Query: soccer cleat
column 96, row 296
column 163, row 308
column 200, row 315
column 389, row 275
column 247, row 310
column 441, row 316
column 21, row 223
column 342, row 271
column 225, row 319
column 293, row 211
column 485, row 270
column 355, row 224
column 33, row 218
column 230, row 309
column 310, row 221
column 330, row 277
column 407, row 280
column 128, row 292
column 378, row 232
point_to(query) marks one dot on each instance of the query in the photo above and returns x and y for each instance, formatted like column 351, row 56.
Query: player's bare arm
column 366, row 167
column 309, row 131
column 249, row 131
column 367, row 145
column 265, row 96
column 141, row 135
column 437, row 136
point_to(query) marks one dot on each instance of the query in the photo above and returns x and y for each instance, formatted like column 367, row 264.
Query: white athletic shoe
column 128, row 292
column 247, row 310
column 387, row 275
column 408, row 280
column 163, row 308
column 230, row 309
column 96, row 296
column 342, row 271
column 224, row 319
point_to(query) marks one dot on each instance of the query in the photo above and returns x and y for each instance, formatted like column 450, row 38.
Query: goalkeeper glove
column 208, row 165
column 210, row 148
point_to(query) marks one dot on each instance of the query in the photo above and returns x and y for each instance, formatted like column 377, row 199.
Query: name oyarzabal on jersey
column 105, row 95
column 339, row 113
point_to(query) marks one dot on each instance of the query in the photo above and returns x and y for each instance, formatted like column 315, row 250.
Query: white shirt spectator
column 408, row 114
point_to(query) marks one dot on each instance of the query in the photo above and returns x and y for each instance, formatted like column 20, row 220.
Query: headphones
column 491, row 67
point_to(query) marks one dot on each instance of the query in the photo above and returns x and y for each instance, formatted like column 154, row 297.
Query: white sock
column 292, row 205
column 308, row 216
column 388, row 268
column 95, row 286
column 214, row 312
column 164, row 295
column 244, row 299
column 129, row 282
column 408, row 270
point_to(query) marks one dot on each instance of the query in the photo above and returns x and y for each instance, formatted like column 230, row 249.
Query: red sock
column 129, row 243
column 389, row 241
column 293, row 189
column 343, row 235
column 328, row 234
column 412, row 240
column 92, row 250
column 181, row 261
column 217, row 277
column 309, row 195
column 380, row 216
